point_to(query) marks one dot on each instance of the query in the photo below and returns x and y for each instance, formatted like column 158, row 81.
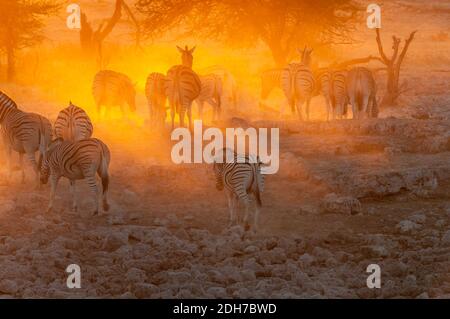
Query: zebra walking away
column 77, row 160
column 362, row 91
column 333, row 87
column 298, row 84
column 182, row 87
column 73, row 124
column 156, row 97
column 24, row 133
column 240, row 178
column 210, row 92
column 111, row 88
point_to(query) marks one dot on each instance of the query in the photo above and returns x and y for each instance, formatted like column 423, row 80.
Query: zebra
column 270, row 79
column 297, row 81
column 182, row 87
column 211, row 92
column 77, row 160
column 229, row 84
column 361, row 91
column 156, row 97
column 240, row 178
column 111, row 88
column 73, row 124
column 25, row 133
column 332, row 85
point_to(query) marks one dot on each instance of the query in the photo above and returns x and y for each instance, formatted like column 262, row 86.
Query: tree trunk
column 11, row 64
column 278, row 54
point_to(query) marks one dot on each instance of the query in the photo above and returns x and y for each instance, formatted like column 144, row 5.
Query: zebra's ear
column 192, row 50
column 180, row 49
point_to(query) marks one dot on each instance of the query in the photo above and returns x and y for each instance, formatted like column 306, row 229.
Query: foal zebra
column 297, row 81
column 361, row 91
column 182, row 87
column 156, row 97
column 210, row 92
column 25, row 133
column 73, row 124
column 77, row 160
column 240, row 178
column 111, row 88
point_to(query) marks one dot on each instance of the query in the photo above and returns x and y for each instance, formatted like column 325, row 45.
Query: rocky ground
column 348, row 194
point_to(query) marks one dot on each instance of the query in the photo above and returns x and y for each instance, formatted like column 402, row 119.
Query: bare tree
column 283, row 25
column 393, row 66
column 21, row 23
column 91, row 41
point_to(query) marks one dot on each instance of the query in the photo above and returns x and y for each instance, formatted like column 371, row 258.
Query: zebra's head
column 187, row 57
column 45, row 167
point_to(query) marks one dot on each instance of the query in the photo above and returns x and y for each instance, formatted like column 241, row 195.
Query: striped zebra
column 210, row 92
column 156, row 97
column 239, row 178
column 182, row 87
column 73, row 124
column 24, row 133
column 297, row 81
column 229, row 84
column 111, row 88
column 270, row 79
column 77, row 160
column 332, row 85
column 361, row 91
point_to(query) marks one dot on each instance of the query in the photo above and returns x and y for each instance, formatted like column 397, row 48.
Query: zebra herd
column 72, row 154
column 75, row 155
column 300, row 83
column 180, row 86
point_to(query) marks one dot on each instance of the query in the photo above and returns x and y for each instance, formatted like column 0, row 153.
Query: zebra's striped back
column 75, row 160
column 156, row 95
column 270, row 80
column 240, row 177
column 112, row 88
column 73, row 124
column 7, row 105
column 304, row 82
column 182, row 87
column 211, row 87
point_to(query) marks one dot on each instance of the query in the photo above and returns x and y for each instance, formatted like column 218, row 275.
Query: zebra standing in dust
column 297, row 81
column 111, row 88
column 156, row 97
column 77, row 160
column 229, row 84
column 182, row 87
column 25, row 133
column 362, row 91
column 73, row 124
column 210, row 92
column 332, row 85
column 240, row 178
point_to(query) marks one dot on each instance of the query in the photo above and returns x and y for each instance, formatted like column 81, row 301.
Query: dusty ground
column 165, row 234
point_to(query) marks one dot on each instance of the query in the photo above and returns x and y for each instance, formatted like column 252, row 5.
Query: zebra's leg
column 74, row 197
column 32, row 159
column 231, row 208
column 53, row 184
column 90, row 178
column 308, row 100
column 189, row 114
column 354, row 108
column 105, row 187
column 299, row 104
column 172, row 114
column 327, row 103
column 200, row 108
column 365, row 106
column 246, row 202
column 256, row 218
